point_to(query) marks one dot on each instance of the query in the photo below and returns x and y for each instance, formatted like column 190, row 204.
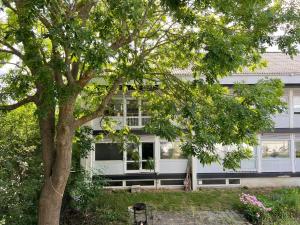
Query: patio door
column 140, row 158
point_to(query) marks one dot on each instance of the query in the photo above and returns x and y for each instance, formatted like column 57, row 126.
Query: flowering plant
column 253, row 209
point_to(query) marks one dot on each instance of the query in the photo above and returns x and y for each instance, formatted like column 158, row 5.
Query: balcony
column 135, row 122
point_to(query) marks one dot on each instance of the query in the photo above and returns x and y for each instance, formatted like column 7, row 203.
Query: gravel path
column 199, row 218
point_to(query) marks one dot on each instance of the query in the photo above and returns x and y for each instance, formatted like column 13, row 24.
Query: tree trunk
column 55, row 181
column 49, row 205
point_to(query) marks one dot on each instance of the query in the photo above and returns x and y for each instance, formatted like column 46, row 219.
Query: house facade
column 275, row 161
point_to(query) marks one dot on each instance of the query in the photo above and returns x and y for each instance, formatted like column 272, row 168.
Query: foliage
column 81, row 188
column 90, row 48
column 210, row 114
column 110, row 207
column 20, row 166
column 253, row 209
column 71, row 57
column 283, row 207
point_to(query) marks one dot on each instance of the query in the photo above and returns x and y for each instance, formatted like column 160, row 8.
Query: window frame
column 141, row 160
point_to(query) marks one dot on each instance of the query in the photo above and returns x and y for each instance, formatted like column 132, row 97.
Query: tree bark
column 59, row 162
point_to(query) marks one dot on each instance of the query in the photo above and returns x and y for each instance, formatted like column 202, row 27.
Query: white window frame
column 140, row 161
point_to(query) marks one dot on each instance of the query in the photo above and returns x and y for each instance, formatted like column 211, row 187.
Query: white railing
column 137, row 121
column 131, row 121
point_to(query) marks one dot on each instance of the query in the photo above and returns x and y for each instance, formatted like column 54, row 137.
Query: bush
column 81, row 190
column 278, row 207
column 21, row 167
column 253, row 209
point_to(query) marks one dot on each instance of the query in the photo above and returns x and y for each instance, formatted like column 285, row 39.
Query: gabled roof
column 277, row 64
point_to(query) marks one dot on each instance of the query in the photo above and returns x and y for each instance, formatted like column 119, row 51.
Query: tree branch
column 8, row 5
column 18, row 104
column 12, row 49
column 100, row 110
column 13, row 52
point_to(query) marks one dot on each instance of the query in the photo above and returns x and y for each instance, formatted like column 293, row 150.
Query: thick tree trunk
column 56, row 177
column 49, row 205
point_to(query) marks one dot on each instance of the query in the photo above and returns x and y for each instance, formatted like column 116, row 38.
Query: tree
column 20, row 160
column 71, row 53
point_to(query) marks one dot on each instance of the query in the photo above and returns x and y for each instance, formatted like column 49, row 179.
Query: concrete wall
column 271, row 182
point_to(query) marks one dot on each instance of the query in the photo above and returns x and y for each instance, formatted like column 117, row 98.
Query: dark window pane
column 144, row 108
column 114, row 183
column 108, row 151
column 234, row 181
column 297, row 149
column 213, row 181
column 132, row 108
column 132, row 152
column 133, row 166
column 171, row 182
column 148, row 165
column 147, row 150
column 115, row 108
column 140, row 182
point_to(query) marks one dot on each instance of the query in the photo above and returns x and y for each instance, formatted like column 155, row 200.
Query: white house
column 275, row 162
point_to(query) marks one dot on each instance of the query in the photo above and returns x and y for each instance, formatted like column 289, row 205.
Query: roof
column 277, row 64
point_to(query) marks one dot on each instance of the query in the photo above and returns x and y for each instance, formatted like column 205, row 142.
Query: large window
column 275, row 149
column 108, row 151
column 140, row 157
column 297, row 148
column 171, row 150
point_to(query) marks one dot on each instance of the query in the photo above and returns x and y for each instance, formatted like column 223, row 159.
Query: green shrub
column 20, row 167
column 253, row 209
column 284, row 205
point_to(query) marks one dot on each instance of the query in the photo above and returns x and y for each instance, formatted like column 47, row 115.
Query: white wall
column 109, row 167
column 173, row 165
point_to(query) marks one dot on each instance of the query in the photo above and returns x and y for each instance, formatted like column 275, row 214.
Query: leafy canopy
column 84, row 50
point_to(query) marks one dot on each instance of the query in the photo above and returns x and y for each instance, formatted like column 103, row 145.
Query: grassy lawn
column 110, row 207
column 207, row 199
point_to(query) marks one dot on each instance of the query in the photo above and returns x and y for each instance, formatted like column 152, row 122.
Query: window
column 113, row 183
column 171, row 150
column 147, row 156
column 144, row 108
column 286, row 100
column 296, row 104
column 275, row 149
column 297, row 149
column 234, row 181
column 108, row 151
column 140, row 182
column 140, row 157
column 214, row 182
column 115, row 108
column 132, row 107
column 171, row 182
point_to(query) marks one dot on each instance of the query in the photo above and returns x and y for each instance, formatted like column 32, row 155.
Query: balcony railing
column 131, row 121
column 137, row 121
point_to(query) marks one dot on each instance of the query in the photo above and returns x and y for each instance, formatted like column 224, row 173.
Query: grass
column 111, row 207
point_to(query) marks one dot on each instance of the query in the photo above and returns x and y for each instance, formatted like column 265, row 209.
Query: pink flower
column 247, row 199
